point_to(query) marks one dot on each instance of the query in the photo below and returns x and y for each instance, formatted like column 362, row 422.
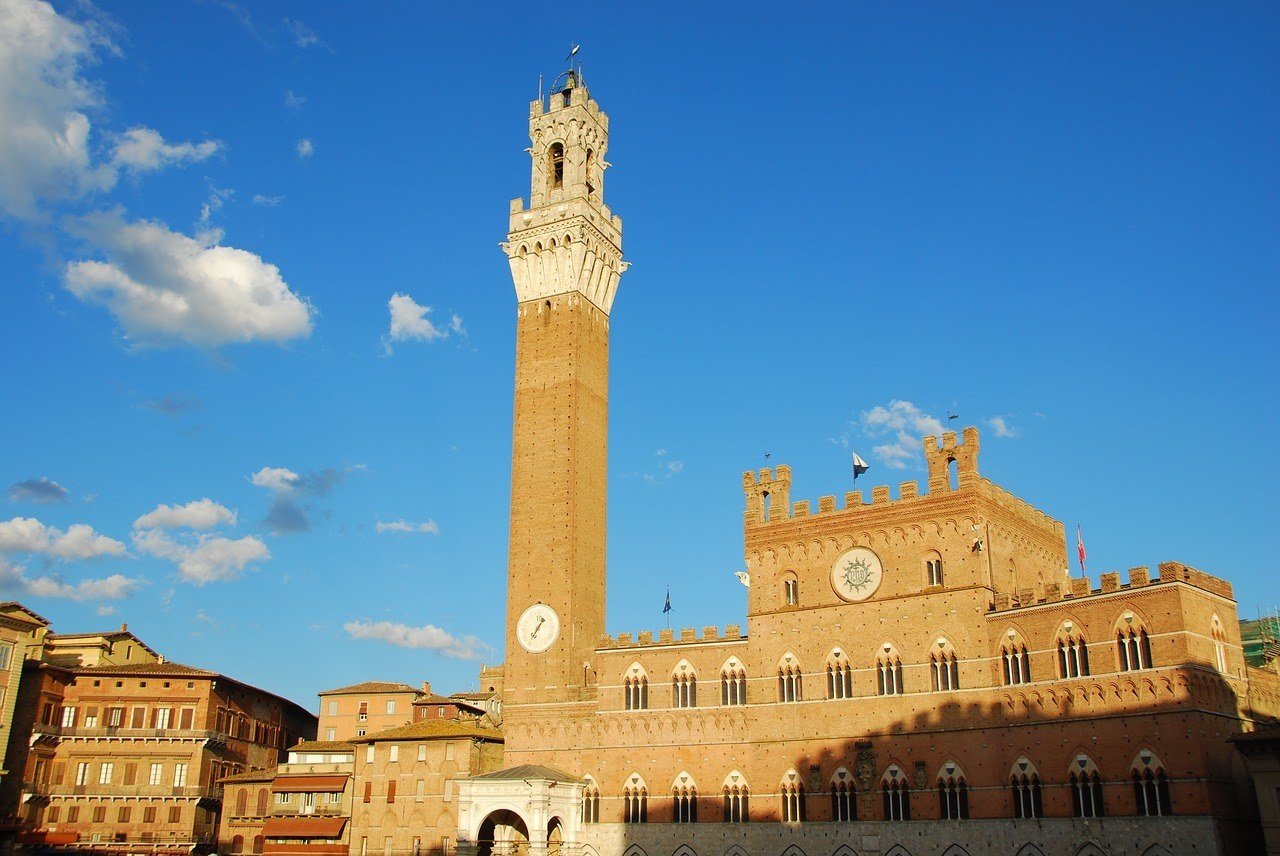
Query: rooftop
column 531, row 771
column 433, row 729
column 371, row 687
column 322, row 746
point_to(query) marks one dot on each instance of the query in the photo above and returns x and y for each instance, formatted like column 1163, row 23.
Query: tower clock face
column 538, row 628
column 857, row 574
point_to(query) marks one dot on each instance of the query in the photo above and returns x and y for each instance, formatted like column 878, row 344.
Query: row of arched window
column 1149, row 781
column 1133, row 653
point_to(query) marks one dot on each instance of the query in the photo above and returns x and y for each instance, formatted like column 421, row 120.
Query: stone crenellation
column 687, row 636
column 1077, row 588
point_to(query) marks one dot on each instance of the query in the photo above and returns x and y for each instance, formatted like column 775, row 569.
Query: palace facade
column 918, row 673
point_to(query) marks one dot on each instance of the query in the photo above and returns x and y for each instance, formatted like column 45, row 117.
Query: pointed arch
column 1029, row 849
column 839, row 675
column 635, row 800
column 1090, row 849
column 1015, row 660
column 1150, row 784
column 953, row 792
column 932, row 568
column 955, row 850
column 684, row 685
column 635, row 850
column 1156, row 850
column 944, row 666
column 684, row 850
column 736, row 794
column 844, row 796
column 793, row 850
column 888, row 670
column 792, row 792
column 635, row 688
column 1086, row 787
column 736, row 850
column 898, row 850
column 1219, row 637
column 895, row 792
column 733, row 683
column 1028, row 793
column 790, row 678
column 790, row 584
column 590, row 800
column 1073, row 650
column 844, row 850
column 1133, row 641
column 684, row 798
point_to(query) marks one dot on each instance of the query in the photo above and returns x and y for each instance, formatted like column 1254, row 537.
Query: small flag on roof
column 667, row 607
column 1080, row 547
column 859, row 466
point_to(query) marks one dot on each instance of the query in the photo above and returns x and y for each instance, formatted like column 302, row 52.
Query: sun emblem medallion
column 857, row 574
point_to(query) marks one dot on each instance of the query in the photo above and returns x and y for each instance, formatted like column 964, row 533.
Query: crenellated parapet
column 668, row 637
column 768, row 493
column 1079, row 588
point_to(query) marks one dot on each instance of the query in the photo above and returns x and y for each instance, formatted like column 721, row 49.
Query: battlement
column 685, row 636
column 1076, row 588
column 578, row 97
column 768, row 492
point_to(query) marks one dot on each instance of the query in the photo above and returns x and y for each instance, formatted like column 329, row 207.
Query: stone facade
column 918, row 671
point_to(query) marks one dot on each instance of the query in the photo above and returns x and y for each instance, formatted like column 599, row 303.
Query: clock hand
column 541, row 621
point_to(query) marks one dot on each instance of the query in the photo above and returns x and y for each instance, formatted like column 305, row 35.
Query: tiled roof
column 13, row 604
column 453, row 700
column 530, row 771
column 372, row 687
column 428, row 729
column 322, row 746
column 267, row 775
column 474, row 695
column 159, row 669
column 169, row 669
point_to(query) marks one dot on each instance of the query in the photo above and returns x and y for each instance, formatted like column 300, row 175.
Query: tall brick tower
column 565, row 252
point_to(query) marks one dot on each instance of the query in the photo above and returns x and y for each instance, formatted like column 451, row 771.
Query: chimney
column 426, row 688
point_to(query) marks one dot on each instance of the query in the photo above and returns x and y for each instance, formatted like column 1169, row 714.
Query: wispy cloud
column 304, row 149
column 267, row 201
column 664, row 469
column 172, row 404
column 429, row 526
column 428, row 637
column 1000, row 427
column 42, row 490
column 304, row 36
column 409, row 322
column 293, row 101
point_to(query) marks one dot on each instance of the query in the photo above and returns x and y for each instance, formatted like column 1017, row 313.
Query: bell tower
column 565, row 252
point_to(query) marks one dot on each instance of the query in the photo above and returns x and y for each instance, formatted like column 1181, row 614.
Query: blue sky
column 1060, row 216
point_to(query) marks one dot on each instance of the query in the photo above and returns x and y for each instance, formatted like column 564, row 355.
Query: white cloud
column 267, row 201
column 1001, row 428
column 409, row 321
column 14, row 578
column 164, row 287
column 198, row 514
column 405, row 526
column 275, row 478
column 905, row 426
column 28, row 535
column 304, row 149
column 144, row 150
column 106, row 609
column 303, row 36
column 427, row 636
column 209, row 559
column 293, row 101
column 45, row 148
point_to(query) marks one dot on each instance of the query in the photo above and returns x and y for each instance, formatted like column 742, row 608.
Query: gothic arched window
column 635, row 689
column 953, row 793
column 1073, row 652
column 844, row 797
column 735, row 798
column 896, row 793
column 790, row 679
column 793, row 809
column 684, row 799
column 1133, row 645
column 1150, row 785
column 839, row 676
column 933, row 568
column 1028, row 797
column 635, row 800
column 556, row 171
column 1219, row 644
column 888, row 671
column 733, row 683
column 684, row 686
column 1014, row 659
column 1086, row 788
column 944, row 668
column 591, row 802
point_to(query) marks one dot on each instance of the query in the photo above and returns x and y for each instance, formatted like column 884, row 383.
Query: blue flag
column 859, row 466
column 667, row 608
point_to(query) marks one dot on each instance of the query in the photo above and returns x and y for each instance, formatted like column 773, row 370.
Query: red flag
column 1080, row 547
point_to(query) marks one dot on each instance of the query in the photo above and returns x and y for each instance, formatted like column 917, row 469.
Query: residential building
column 365, row 708
column 20, row 630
